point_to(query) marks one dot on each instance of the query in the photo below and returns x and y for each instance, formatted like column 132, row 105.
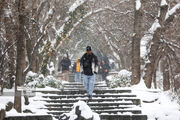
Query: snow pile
column 33, row 107
column 81, row 111
column 156, row 104
column 34, row 80
column 122, row 79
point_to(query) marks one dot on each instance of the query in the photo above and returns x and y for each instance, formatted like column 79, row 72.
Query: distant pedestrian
column 105, row 69
column 89, row 62
column 64, row 65
column 76, row 70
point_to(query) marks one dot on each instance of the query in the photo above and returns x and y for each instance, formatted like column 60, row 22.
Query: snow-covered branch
column 76, row 4
column 173, row 11
column 85, row 17
column 138, row 4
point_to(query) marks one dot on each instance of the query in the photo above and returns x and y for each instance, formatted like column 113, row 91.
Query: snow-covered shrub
column 34, row 80
column 52, row 82
column 122, row 79
column 80, row 111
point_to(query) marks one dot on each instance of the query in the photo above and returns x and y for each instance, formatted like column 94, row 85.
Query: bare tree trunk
column 136, row 62
column 150, row 66
column 123, row 66
column 20, row 54
column 166, row 78
column 2, row 2
column 33, row 31
column 10, row 37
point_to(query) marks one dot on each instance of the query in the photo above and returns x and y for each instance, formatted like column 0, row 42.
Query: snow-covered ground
column 157, row 104
column 33, row 106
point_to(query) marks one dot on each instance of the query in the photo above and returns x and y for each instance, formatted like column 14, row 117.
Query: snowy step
column 83, row 91
column 79, row 86
column 94, row 96
column 82, row 88
column 123, row 117
column 93, row 108
column 110, row 104
column 76, row 84
column 90, row 104
column 118, row 117
column 133, row 100
column 111, row 111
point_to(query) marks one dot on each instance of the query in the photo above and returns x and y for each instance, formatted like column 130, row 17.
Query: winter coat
column 104, row 68
column 89, row 63
column 65, row 63
column 76, row 67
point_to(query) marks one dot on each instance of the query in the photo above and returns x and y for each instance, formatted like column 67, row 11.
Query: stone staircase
column 110, row 104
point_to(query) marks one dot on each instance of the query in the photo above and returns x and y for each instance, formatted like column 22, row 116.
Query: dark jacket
column 86, row 61
column 65, row 63
column 105, row 67
column 74, row 68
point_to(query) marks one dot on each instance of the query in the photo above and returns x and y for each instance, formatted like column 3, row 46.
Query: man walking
column 89, row 62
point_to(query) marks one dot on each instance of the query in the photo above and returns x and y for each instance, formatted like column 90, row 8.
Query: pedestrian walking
column 105, row 69
column 64, row 65
column 89, row 62
column 76, row 70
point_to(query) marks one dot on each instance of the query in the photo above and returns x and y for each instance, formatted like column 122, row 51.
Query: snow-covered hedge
column 35, row 80
column 122, row 79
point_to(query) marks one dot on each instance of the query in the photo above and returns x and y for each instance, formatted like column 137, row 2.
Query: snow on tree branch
column 173, row 10
column 75, row 25
column 154, row 26
column 76, row 4
column 163, row 2
column 138, row 4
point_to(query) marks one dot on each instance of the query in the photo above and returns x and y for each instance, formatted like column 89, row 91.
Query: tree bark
column 2, row 2
column 152, row 55
column 136, row 62
column 20, row 54
column 166, row 77
column 10, row 41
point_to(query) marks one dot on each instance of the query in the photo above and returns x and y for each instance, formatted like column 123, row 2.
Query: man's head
column 88, row 49
column 64, row 56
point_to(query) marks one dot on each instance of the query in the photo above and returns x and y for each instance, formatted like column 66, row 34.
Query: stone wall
column 37, row 117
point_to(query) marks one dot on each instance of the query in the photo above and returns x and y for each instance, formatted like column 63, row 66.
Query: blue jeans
column 89, row 83
column 77, row 77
